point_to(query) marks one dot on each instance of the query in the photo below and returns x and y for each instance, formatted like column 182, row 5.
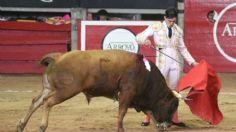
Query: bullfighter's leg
column 150, row 115
column 175, row 76
column 36, row 103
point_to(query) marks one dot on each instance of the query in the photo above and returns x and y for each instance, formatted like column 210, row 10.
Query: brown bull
column 115, row 74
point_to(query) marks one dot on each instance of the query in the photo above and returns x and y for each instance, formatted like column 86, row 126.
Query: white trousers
column 169, row 67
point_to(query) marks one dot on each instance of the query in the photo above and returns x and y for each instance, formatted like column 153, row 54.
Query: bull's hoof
column 19, row 127
column 121, row 130
column 42, row 128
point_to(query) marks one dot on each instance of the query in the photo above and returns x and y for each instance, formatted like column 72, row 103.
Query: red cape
column 205, row 87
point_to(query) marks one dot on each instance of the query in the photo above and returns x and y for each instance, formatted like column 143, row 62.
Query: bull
column 115, row 74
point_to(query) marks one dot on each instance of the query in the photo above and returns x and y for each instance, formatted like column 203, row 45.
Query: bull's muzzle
column 163, row 126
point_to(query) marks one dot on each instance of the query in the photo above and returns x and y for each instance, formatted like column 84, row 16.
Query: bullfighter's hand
column 194, row 64
column 148, row 42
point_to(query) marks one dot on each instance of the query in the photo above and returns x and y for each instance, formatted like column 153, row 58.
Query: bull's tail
column 49, row 58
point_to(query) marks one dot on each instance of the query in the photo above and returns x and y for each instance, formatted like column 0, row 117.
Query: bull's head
column 164, row 112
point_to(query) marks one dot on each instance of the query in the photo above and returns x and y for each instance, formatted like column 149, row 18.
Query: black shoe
column 180, row 124
column 145, row 123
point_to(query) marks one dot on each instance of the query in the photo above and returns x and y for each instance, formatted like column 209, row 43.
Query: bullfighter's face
column 170, row 21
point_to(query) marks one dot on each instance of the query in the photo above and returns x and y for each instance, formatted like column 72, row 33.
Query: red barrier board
column 20, row 67
column 213, row 41
column 22, row 45
column 28, row 52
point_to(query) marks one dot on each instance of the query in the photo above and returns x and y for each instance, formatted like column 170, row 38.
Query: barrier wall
column 23, row 44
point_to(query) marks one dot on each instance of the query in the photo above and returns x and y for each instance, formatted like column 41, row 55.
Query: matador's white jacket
column 170, row 46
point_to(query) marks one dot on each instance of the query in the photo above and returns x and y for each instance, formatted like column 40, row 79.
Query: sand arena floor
column 75, row 115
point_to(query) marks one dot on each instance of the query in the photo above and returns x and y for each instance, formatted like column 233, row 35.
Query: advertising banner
column 210, row 32
column 113, row 35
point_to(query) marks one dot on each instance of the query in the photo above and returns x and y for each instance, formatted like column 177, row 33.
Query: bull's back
column 89, row 60
column 85, row 68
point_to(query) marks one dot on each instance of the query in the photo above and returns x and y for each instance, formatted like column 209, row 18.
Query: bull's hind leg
column 48, row 104
column 55, row 98
column 36, row 103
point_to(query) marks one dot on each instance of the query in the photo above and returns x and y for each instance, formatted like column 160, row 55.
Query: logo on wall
column 122, row 39
column 224, row 32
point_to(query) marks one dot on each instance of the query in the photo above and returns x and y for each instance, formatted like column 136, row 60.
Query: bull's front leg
column 125, row 98
column 122, row 111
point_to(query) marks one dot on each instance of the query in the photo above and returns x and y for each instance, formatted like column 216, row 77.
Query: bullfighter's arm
column 142, row 38
column 183, row 49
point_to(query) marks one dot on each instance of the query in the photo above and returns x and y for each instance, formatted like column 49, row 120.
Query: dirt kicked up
column 75, row 115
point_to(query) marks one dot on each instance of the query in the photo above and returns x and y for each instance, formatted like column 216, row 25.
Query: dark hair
column 171, row 12
column 102, row 12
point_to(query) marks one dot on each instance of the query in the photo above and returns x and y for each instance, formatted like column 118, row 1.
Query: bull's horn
column 178, row 95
